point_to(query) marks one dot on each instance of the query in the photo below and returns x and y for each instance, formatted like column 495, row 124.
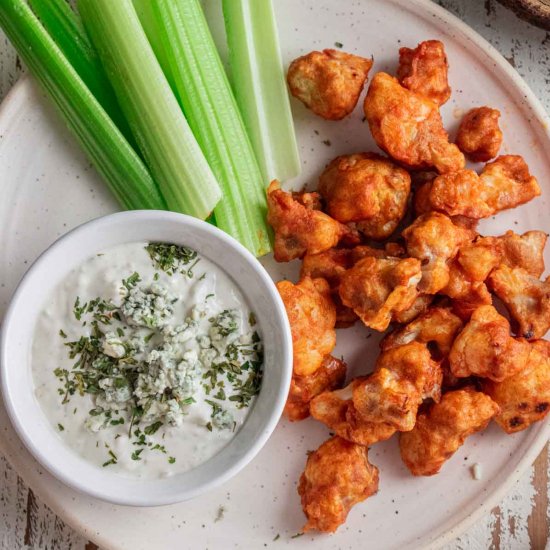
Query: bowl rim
column 284, row 358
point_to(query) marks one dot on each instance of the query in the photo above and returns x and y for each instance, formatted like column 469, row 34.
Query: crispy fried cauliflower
column 312, row 316
column 299, row 229
column 467, row 274
column 525, row 397
column 479, row 135
column 368, row 189
column 438, row 326
column 485, row 348
column 408, row 127
column 526, row 251
column 527, row 298
column 337, row 476
column 424, row 70
column 331, row 265
column 476, row 260
column 329, row 376
column 377, row 288
column 328, row 82
column 444, row 428
column 403, row 378
column 434, row 239
column 420, row 305
column 504, row 183
column 336, row 410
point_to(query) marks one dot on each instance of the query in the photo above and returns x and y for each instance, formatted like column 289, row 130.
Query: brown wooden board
column 536, row 12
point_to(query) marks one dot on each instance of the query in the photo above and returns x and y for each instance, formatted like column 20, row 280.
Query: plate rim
column 424, row 9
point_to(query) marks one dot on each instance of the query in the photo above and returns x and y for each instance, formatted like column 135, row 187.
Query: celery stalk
column 114, row 158
column 164, row 137
column 184, row 45
column 260, row 87
column 67, row 31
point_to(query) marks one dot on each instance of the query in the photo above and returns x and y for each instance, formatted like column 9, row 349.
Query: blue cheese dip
column 146, row 359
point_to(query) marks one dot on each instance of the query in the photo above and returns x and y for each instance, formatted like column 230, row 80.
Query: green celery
column 259, row 84
column 184, row 45
column 114, row 158
column 165, row 139
column 67, row 31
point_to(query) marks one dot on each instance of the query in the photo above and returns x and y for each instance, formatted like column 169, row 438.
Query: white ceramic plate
column 47, row 187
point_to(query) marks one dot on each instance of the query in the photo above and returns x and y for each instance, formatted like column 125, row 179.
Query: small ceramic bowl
column 70, row 251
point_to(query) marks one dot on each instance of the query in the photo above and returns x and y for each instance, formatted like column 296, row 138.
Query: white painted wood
column 26, row 523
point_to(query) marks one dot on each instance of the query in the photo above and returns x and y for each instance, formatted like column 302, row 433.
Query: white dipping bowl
column 53, row 266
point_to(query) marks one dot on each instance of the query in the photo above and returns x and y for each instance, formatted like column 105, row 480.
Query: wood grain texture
column 536, row 12
column 521, row 521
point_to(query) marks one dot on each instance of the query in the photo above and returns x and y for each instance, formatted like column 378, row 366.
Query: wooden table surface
column 521, row 520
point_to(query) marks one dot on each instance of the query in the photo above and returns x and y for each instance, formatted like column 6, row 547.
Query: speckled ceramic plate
column 48, row 187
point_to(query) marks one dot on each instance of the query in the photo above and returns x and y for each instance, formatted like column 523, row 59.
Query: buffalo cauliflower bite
column 368, row 189
column 312, row 316
column 403, row 378
column 408, row 127
column 444, row 428
column 424, row 70
column 377, row 288
column 337, row 476
column 526, row 251
column 438, row 326
column 336, row 410
column 420, row 305
column 476, row 260
column 333, row 263
column 479, row 135
column 504, row 183
column 486, row 349
column 329, row 376
column 299, row 229
column 525, row 397
column 328, row 82
column 526, row 297
column 434, row 239
column 467, row 274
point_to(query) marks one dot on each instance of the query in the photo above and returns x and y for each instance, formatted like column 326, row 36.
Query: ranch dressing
column 146, row 359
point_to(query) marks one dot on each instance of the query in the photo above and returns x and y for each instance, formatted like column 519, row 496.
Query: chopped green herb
column 136, row 453
column 62, row 334
column 78, row 310
column 209, row 426
column 251, row 319
column 216, row 409
column 277, row 537
column 171, row 459
column 171, row 257
column 152, row 428
column 112, row 460
column 60, row 427
column 339, row 44
column 131, row 281
column 296, row 535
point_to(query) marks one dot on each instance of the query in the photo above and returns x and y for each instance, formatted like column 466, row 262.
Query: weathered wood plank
column 25, row 522
column 538, row 520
